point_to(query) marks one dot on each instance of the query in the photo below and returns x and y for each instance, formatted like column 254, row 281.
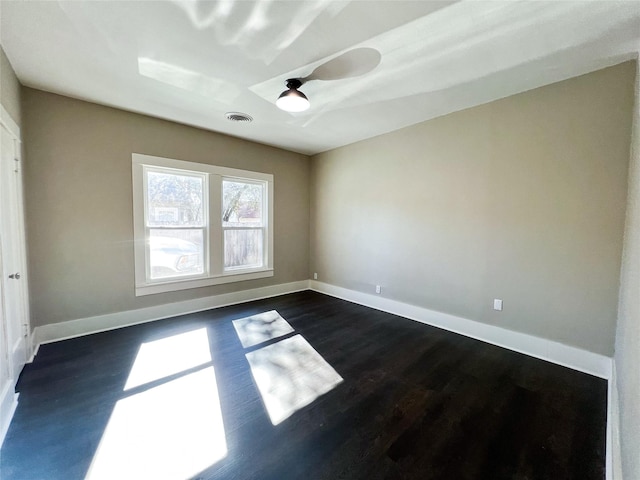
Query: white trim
column 8, row 405
column 614, row 466
column 8, row 396
column 213, row 231
column 35, row 350
column 143, row 159
column 9, row 123
column 100, row 323
column 176, row 285
column 555, row 352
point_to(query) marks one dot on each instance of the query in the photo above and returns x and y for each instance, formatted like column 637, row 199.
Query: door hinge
column 25, row 330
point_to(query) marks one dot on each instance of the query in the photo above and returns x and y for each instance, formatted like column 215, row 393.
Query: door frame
column 8, row 397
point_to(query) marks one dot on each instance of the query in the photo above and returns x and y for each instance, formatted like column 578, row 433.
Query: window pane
column 241, row 204
column 243, row 248
column 174, row 200
column 175, row 252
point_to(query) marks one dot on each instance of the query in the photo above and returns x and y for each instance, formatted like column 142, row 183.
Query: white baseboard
column 555, row 352
column 8, row 404
column 34, row 348
column 100, row 323
column 614, row 467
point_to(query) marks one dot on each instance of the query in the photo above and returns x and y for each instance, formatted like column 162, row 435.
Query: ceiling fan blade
column 353, row 63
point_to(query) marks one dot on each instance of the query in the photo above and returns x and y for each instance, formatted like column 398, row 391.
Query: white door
column 7, row 394
column 15, row 329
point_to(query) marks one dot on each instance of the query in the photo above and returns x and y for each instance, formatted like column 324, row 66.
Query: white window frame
column 214, row 272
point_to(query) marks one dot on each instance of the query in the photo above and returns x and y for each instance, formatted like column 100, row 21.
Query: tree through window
column 242, row 222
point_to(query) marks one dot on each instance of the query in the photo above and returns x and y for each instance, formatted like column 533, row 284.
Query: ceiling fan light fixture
column 293, row 100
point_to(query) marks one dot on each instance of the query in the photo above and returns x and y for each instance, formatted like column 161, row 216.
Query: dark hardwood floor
column 416, row 402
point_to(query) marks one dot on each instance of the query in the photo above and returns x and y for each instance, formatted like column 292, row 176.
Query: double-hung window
column 197, row 224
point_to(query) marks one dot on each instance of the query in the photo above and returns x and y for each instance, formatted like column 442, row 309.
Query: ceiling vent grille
column 238, row 117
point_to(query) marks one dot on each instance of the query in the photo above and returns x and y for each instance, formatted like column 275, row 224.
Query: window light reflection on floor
column 168, row 356
column 259, row 328
column 290, row 374
column 172, row 429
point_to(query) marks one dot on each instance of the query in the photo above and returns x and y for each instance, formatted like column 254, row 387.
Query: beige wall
column 79, row 203
column 627, row 351
column 521, row 199
column 9, row 89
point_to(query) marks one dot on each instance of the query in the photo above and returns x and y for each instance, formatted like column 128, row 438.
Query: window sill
column 175, row 285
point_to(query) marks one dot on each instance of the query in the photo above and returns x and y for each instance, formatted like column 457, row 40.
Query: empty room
column 272, row 240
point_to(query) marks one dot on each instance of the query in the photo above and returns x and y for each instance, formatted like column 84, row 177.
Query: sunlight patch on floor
column 173, row 430
column 290, row 374
column 259, row 328
column 168, row 356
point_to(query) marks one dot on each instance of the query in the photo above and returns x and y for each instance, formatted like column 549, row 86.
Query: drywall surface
column 522, row 199
column 9, row 89
column 79, row 203
column 627, row 353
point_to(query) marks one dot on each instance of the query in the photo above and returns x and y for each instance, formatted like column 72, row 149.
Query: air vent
column 238, row 117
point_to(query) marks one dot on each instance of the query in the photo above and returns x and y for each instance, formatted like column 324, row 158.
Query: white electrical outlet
column 497, row 304
column 378, row 289
column 315, row 276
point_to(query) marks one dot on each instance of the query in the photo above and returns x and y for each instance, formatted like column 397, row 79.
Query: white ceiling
column 374, row 66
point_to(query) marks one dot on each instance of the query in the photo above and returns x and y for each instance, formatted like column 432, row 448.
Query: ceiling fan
column 353, row 63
